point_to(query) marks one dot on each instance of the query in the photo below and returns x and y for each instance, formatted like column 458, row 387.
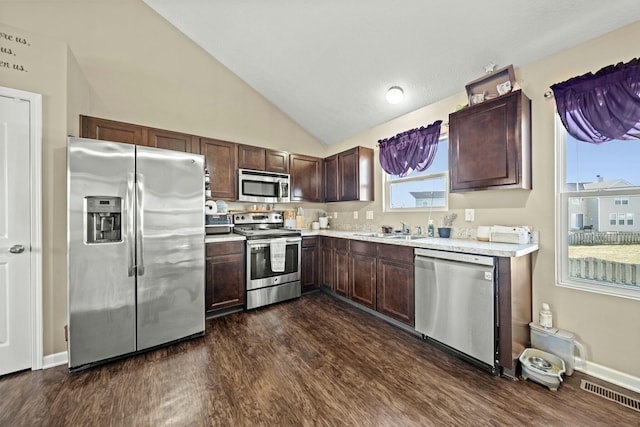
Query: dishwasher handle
column 455, row 256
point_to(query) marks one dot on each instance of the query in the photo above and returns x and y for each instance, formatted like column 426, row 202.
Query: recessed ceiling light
column 395, row 94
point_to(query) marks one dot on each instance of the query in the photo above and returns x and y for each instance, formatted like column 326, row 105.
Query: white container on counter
column 483, row 233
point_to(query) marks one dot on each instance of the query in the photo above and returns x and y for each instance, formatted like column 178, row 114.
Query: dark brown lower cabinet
column 362, row 272
column 514, row 310
column 381, row 276
column 327, row 269
column 378, row 276
column 309, row 261
column 395, row 293
column 225, row 275
column 341, row 265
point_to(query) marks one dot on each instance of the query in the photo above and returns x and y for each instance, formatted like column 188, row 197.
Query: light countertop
column 453, row 245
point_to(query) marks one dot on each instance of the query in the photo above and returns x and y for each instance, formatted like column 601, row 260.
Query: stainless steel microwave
column 263, row 187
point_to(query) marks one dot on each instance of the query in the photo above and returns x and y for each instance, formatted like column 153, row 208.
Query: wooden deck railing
column 590, row 238
column 604, row 271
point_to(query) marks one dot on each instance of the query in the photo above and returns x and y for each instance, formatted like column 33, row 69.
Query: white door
column 15, row 236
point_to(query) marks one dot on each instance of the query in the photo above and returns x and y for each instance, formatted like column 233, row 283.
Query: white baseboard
column 53, row 360
column 611, row 375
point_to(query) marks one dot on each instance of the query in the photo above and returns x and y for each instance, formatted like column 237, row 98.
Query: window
column 598, row 247
column 420, row 191
column 619, row 201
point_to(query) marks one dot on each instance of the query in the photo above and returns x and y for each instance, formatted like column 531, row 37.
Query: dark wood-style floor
column 312, row 361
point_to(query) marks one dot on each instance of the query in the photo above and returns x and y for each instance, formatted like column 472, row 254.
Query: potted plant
column 448, row 222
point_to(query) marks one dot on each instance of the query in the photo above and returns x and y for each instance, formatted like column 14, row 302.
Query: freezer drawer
column 455, row 302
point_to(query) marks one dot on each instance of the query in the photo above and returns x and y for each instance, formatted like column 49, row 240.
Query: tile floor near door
column 311, row 361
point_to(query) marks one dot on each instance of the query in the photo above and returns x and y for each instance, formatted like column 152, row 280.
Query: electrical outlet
column 355, row 214
column 469, row 214
column 369, row 214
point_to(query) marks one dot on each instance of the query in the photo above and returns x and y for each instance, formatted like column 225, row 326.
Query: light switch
column 369, row 214
column 355, row 214
column 469, row 214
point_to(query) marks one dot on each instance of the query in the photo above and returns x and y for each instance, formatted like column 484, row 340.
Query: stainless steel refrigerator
column 135, row 233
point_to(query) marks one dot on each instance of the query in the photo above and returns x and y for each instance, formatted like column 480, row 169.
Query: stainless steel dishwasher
column 455, row 302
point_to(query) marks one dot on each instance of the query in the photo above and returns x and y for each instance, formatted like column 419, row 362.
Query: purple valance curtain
column 603, row 106
column 412, row 150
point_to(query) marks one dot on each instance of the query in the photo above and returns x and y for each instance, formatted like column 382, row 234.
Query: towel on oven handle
column 278, row 249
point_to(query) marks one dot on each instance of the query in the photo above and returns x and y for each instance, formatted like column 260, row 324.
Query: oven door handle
column 263, row 243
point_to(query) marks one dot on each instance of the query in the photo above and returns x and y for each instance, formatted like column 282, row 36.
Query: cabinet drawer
column 396, row 252
column 225, row 248
column 365, row 248
column 326, row 242
column 341, row 244
column 308, row 242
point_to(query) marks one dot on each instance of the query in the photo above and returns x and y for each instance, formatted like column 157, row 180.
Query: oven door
column 259, row 272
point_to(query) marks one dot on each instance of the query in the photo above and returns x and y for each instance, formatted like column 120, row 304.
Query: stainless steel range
column 273, row 257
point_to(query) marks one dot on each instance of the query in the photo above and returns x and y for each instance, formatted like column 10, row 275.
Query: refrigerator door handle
column 140, row 222
column 131, row 242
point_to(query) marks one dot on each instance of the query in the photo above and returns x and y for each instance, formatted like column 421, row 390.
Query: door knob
column 16, row 249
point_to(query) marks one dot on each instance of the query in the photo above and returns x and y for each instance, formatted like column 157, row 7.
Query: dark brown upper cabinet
column 250, row 157
column 221, row 160
column 173, row 141
column 262, row 159
column 277, row 161
column 331, row 185
column 306, row 178
column 111, row 130
column 490, row 145
column 348, row 176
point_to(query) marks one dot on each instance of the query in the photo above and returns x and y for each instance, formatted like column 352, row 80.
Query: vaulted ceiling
column 328, row 64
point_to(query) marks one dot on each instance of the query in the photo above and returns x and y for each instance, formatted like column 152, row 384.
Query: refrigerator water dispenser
column 104, row 215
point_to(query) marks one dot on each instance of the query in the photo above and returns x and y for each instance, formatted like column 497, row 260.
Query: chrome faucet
column 419, row 230
column 405, row 228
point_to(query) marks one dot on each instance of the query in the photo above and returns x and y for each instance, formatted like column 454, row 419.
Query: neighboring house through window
column 420, row 191
column 598, row 246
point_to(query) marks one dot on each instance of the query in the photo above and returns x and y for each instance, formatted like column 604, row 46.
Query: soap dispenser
column 431, row 231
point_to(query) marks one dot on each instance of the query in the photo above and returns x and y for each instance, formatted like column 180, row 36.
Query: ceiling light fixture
column 395, row 94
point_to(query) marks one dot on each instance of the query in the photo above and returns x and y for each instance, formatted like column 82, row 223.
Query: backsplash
column 341, row 218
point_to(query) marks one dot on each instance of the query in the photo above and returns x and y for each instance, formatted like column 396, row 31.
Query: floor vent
column 611, row 395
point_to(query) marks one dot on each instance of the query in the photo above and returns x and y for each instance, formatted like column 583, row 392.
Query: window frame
column 386, row 188
column 563, row 226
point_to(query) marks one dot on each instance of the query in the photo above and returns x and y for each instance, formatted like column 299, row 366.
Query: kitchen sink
column 393, row 236
column 408, row 236
column 382, row 235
